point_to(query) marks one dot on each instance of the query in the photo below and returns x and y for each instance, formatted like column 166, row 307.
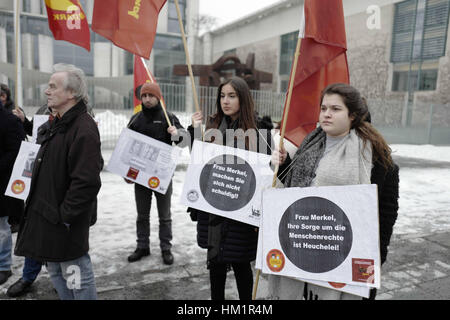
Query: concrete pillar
column 45, row 53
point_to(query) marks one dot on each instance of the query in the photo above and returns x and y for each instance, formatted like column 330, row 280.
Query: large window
column 173, row 24
column 168, row 51
column 420, row 30
column 288, row 45
column 419, row 36
column 66, row 52
column 287, row 51
column 426, row 82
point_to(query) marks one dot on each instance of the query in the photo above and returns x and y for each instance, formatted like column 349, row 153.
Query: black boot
column 167, row 257
column 4, row 276
column 19, row 288
column 138, row 254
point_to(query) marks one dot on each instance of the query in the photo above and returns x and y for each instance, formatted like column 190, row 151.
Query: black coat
column 152, row 123
column 227, row 240
column 64, row 187
column 388, row 188
column 11, row 136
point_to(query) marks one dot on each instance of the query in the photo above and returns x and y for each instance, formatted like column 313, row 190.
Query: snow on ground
column 426, row 151
column 424, row 204
column 424, row 207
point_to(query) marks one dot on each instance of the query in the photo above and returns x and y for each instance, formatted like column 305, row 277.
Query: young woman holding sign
column 344, row 150
column 230, row 243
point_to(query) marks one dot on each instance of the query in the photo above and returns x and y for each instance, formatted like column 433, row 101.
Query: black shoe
column 19, row 288
column 167, row 257
column 138, row 254
column 4, row 275
column 15, row 227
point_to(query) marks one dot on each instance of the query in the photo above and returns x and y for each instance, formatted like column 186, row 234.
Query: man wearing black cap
column 152, row 122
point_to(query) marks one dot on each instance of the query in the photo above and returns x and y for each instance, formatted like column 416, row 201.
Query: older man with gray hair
column 62, row 203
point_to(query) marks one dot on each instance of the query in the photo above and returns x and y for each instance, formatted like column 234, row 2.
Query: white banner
column 326, row 234
column 144, row 160
column 227, row 181
column 20, row 181
column 38, row 120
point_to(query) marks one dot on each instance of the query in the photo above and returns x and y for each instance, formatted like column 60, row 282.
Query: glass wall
column 173, row 25
column 287, row 51
column 419, row 35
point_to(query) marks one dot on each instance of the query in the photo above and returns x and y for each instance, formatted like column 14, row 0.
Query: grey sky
column 230, row 10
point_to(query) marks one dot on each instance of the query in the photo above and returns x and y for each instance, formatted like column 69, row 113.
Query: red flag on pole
column 67, row 21
column 322, row 61
column 141, row 75
column 129, row 24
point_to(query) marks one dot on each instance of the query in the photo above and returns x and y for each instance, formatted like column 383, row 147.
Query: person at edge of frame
column 344, row 150
column 58, row 215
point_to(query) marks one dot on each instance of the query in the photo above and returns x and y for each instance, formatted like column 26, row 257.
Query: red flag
column 322, row 61
column 67, row 21
column 129, row 24
column 141, row 75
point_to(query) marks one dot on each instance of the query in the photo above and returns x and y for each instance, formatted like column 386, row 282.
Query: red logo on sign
column 132, row 173
column 363, row 270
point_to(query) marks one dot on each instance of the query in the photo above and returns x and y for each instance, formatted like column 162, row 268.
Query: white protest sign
column 20, row 181
column 328, row 234
column 38, row 120
column 144, row 160
column 227, row 181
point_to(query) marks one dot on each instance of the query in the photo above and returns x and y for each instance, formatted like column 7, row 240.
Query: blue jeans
column 5, row 244
column 31, row 269
column 74, row 279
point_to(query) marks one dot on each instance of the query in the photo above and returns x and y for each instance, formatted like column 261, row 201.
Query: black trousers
column 143, row 198
column 244, row 280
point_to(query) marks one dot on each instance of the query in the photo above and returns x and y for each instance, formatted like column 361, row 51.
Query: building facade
column 398, row 55
column 105, row 61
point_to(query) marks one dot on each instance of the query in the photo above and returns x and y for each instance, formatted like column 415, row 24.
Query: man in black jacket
column 62, row 202
column 11, row 136
column 152, row 122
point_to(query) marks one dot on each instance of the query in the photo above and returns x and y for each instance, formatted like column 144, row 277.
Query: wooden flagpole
column 282, row 132
column 188, row 61
column 164, row 104
column 288, row 106
column 18, row 61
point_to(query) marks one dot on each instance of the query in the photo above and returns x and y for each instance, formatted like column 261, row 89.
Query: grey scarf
column 348, row 163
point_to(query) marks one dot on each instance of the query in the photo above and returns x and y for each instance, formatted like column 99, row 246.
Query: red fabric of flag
column 129, row 24
column 67, row 21
column 322, row 61
column 141, row 76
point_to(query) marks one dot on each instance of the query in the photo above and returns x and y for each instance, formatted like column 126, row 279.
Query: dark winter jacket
column 152, row 123
column 9, row 105
column 63, row 196
column 227, row 240
column 11, row 136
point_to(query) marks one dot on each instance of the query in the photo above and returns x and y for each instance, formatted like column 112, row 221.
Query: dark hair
column 246, row 105
column 358, row 109
column 5, row 90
